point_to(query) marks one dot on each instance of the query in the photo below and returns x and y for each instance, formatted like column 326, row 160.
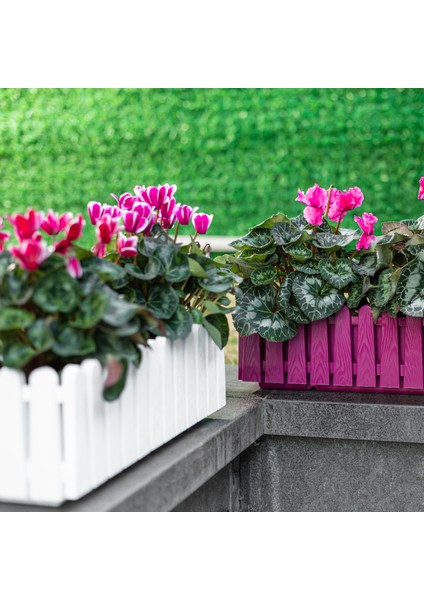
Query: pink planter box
column 343, row 352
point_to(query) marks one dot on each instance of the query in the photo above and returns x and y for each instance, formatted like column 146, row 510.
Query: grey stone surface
column 219, row 494
column 378, row 422
column 311, row 474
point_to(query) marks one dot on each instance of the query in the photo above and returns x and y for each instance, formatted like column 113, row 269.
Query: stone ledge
column 171, row 474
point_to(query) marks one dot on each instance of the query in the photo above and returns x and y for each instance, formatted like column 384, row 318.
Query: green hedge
column 240, row 153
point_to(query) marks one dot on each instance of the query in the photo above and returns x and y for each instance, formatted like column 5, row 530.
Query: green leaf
column 285, row 233
column 316, row 299
column 15, row 318
column 90, row 311
column 293, row 313
column 415, row 308
column 162, row 301
column 256, row 238
column 17, row 289
column 178, row 270
column 195, row 268
column 299, row 222
column 71, row 342
column 217, row 283
column 338, row 273
column 118, row 311
column 257, row 312
column 263, row 275
column 106, row 270
column 57, row 292
column 357, row 291
column 386, row 289
column 332, row 240
column 217, row 327
column 16, row 356
column 299, row 253
column 285, row 291
column 411, row 282
column 40, row 335
column 179, row 325
column 271, row 221
column 366, row 265
column 309, row 268
column 197, row 316
column 151, row 270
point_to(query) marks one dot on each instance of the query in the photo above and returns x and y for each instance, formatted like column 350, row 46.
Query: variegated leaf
column 316, row 299
column 339, row 273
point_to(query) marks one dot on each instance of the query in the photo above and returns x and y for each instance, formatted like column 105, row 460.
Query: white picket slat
column 76, row 432
column 114, row 456
column 180, row 386
column 45, row 437
column 190, row 369
column 203, row 375
column 93, row 376
column 143, row 399
column 222, row 399
column 13, row 436
column 169, row 392
column 157, row 391
column 128, row 420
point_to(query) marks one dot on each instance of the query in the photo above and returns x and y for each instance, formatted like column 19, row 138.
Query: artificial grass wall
column 239, row 153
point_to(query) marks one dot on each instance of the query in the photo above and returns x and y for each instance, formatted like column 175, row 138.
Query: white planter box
column 59, row 439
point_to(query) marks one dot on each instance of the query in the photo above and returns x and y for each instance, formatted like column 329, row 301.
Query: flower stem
column 327, row 208
column 176, row 232
column 338, row 225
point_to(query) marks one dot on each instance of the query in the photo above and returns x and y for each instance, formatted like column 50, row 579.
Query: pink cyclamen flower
column 134, row 222
column 184, row 213
column 342, row 202
column 168, row 214
column 53, row 223
column 75, row 228
column 31, row 253
column 74, row 267
column 95, row 211
column 107, row 227
column 3, row 236
column 113, row 211
column 143, row 209
column 421, row 190
column 366, row 223
column 315, row 200
column 156, row 196
column 127, row 246
column 125, row 201
column 25, row 225
column 202, row 222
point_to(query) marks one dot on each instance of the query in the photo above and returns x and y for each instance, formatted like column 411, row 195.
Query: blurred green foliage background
column 239, row 153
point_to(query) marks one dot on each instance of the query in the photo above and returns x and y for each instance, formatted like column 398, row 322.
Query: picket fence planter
column 343, row 352
column 59, row 439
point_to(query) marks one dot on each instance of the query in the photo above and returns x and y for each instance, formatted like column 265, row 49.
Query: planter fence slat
column 413, row 367
column 366, row 362
column 59, row 439
column 296, row 370
column 344, row 352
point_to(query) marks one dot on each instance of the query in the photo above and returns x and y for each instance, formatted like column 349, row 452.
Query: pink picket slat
column 389, row 364
column 342, row 351
column 296, row 367
column 320, row 367
column 251, row 353
column 366, row 366
column 413, row 363
column 274, row 362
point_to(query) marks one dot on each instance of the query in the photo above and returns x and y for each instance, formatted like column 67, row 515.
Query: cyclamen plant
column 56, row 306
column 179, row 284
column 300, row 270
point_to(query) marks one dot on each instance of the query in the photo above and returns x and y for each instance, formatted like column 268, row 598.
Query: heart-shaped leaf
column 71, row 342
column 178, row 270
column 152, row 269
column 40, row 335
column 338, row 273
column 179, row 325
column 217, row 327
column 263, row 276
column 162, row 301
column 315, row 297
column 411, row 282
column 257, row 312
column 57, row 292
column 15, row 318
column 299, row 253
column 386, row 289
column 257, row 238
column 285, row 233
